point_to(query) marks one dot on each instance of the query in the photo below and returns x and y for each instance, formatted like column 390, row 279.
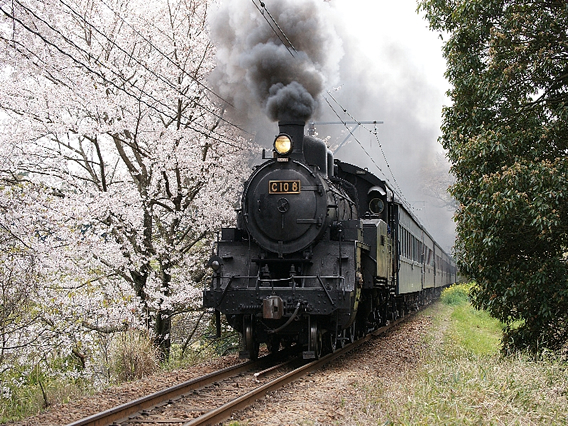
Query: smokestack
column 294, row 129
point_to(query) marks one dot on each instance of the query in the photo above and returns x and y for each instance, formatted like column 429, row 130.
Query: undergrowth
column 26, row 390
column 464, row 380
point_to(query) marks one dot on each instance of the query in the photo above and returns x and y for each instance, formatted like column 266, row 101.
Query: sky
column 393, row 71
column 393, row 34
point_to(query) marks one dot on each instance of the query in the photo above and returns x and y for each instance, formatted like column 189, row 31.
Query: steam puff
column 291, row 102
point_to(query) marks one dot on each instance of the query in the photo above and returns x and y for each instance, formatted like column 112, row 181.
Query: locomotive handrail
column 271, row 280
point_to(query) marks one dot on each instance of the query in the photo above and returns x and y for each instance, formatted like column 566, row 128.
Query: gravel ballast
column 336, row 395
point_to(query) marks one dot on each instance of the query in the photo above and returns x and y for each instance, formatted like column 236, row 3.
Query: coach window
column 414, row 248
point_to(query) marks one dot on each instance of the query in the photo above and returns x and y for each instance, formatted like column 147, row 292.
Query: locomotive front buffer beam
column 300, row 315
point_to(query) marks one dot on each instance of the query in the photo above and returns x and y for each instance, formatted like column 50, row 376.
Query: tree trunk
column 163, row 325
column 162, row 329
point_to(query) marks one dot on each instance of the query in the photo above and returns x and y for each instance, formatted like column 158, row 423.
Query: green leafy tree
column 506, row 133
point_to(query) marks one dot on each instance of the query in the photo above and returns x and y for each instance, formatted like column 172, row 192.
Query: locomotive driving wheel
column 250, row 344
column 316, row 341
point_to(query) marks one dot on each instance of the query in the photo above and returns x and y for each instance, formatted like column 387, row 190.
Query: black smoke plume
column 385, row 82
column 280, row 72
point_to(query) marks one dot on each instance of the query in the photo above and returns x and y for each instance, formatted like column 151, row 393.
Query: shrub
column 133, row 356
column 456, row 294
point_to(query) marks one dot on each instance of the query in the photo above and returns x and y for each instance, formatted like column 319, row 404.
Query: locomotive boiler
column 322, row 252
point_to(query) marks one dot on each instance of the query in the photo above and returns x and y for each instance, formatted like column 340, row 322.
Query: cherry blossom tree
column 108, row 109
column 18, row 266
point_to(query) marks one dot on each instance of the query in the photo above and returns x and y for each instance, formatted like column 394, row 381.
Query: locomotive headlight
column 283, row 144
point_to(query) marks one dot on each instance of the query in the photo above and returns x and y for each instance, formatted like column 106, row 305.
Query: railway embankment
column 443, row 366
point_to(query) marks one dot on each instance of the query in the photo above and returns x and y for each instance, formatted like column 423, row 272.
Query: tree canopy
column 108, row 117
column 506, row 133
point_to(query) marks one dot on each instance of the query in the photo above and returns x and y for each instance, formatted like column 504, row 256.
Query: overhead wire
column 164, row 55
column 290, row 45
column 351, row 132
column 375, row 133
column 160, row 77
column 208, row 132
column 34, row 59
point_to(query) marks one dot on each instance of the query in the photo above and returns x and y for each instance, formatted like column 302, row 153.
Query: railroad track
column 162, row 408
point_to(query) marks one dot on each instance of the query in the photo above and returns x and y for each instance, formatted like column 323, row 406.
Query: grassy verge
column 28, row 390
column 463, row 379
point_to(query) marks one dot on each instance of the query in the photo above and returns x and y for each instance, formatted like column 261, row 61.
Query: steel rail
column 124, row 411
column 121, row 412
column 223, row 412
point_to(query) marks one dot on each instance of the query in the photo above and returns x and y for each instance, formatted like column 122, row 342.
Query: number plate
column 284, row 187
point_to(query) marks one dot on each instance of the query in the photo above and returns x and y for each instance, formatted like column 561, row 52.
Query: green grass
column 21, row 393
column 473, row 332
column 464, row 380
column 461, row 379
column 28, row 398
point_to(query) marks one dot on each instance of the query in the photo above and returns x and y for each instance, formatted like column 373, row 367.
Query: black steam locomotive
column 323, row 252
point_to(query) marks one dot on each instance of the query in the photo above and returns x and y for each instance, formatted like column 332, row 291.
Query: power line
column 376, row 137
column 160, row 77
column 263, row 5
column 311, row 129
column 32, row 57
column 354, row 137
column 164, row 55
column 359, row 123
